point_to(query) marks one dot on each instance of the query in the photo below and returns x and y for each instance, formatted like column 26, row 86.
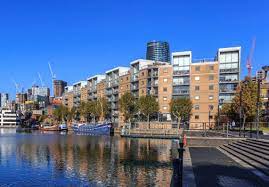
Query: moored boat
column 103, row 128
column 47, row 127
column 63, row 127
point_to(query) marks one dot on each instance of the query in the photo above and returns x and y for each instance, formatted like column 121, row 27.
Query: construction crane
column 250, row 56
column 16, row 85
column 40, row 78
column 53, row 76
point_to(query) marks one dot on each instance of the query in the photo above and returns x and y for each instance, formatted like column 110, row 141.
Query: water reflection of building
column 113, row 161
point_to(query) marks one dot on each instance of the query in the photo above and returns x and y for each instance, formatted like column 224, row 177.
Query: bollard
column 180, row 153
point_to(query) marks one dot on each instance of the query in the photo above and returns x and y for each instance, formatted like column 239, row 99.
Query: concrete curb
column 188, row 175
column 247, row 166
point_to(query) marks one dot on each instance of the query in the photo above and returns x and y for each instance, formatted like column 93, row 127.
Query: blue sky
column 86, row 37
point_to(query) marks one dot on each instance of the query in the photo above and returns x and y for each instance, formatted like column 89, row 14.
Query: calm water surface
column 55, row 159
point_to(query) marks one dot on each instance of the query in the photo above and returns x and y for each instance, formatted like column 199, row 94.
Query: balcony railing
column 186, row 72
column 179, row 92
column 235, row 70
column 181, row 83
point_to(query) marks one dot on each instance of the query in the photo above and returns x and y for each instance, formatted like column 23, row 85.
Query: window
column 197, row 68
column 165, row 80
column 211, row 107
column 196, row 107
column 196, row 116
column 127, row 86
column 121, row 87
column 143, row 73
column 127, row 78
column 197, row 78
column 165, row 108
column 142, row 91
column 197, row 88
column 142, row 83
column 210, row 117
column 165, row 70
column 210, row 97
column 211, row 77
column 211, row 87
column 197, row 97
column 165, row 89
column 211, row 68
column 165, row 98
column 121, row 79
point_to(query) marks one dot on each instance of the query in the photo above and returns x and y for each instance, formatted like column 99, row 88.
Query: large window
column 181, row 80
column 229, row 57
column 181, row 60
column 228, row 78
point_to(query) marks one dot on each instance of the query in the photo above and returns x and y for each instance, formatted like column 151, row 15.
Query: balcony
column 235, row 70
column 154, row 74
column 134, row 87
column 226, row 90
column 181, row 92
column 182, row 73
column 108, row 92
column 181, row 83
column 134, row 78
column 115, row 91
column 223, row 80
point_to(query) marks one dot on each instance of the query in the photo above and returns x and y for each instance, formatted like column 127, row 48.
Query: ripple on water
column 55, row 159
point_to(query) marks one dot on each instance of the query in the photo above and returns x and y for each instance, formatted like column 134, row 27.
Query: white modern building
column 8, row 118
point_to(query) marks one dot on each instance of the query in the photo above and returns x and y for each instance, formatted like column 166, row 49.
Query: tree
column 102, row 108
column 148, row 105
column 249, row 100
column 83, row 110
column 60, row 113
column 71, row 114
column 128, row 106
column 181, row 108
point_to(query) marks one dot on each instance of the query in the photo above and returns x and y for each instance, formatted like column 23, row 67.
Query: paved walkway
column 213, row 168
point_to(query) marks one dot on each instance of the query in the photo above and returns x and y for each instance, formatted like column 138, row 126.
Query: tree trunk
column 148, row 122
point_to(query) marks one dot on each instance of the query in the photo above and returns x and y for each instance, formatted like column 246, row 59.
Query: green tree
column 71, row 114
column 249, row 99
column 148, row 105
column 181, row 108
column 60, row 113
column 83, row 110
column 128, row 106
column 101, row 108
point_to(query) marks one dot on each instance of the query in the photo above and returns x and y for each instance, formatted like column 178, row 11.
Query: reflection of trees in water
column 112, row 160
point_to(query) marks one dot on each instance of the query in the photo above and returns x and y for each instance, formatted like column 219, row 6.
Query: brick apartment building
column 208, row 83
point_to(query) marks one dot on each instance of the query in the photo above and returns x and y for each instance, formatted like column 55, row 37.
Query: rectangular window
column 165, row 108
column 197, row 97
column 165, row 70
column 211, row 107
column 196, row 107
column 165, row 80
column 196, row 116
column 210, row 97
column 211, row 68
column 197, row 68
column 211, row 77
column 197, row 88
column 197, row 78
column 164, row 89
column 210, row 117
column 211, row 87
column 165, row 98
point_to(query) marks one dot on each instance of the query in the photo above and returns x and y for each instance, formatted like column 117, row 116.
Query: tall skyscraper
column 4, row 100
column 158, row 51
column 58, row 87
